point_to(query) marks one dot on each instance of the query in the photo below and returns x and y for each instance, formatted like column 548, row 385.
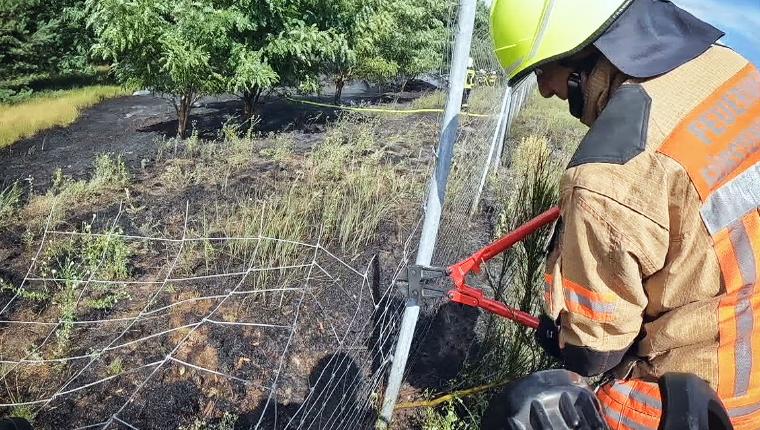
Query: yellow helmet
column 528, row 33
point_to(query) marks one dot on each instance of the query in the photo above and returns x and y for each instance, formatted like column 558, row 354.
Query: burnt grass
column 344, row 322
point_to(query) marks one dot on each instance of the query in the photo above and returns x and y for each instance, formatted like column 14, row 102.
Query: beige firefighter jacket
column 654, row 266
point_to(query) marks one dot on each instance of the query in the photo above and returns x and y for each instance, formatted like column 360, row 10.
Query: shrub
column 74, row 260
column 65, row 193
column 10, row 198
column 109, row 172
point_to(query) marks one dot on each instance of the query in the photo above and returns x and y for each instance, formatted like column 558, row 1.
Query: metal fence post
column 500, row 125
column 434, row 204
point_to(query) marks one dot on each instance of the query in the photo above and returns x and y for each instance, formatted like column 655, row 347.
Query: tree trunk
column 249, row 103
column 403, row 86
column 183, row 114
column 250, row 100
column 339, row 84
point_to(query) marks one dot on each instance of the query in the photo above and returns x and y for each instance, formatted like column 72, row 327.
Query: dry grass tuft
column 60, row 108
column 432, row 100
column 110, row 174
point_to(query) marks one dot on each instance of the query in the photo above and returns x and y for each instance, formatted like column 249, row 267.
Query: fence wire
column 238, row 335
column 235, row 338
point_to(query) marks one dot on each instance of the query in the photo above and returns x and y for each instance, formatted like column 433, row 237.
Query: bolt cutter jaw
column 418, row 277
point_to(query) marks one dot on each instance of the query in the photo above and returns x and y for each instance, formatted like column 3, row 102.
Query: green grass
column 226, row 422
column 10, row 199
column 24, row 411
column 116, row 367
column 109, row 174
column 431, row 100
column 74, row 260
column 59, row 108
column 341, row 192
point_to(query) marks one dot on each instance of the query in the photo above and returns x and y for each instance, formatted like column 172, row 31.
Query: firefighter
column 468, row 83
column 492, row 78
column 655, row 263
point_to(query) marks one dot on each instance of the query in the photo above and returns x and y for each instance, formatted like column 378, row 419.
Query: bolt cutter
column 418, row 277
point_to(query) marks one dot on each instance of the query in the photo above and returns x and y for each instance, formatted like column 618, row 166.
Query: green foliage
column 188, row 48
column 10, row 198
column 173, row 47
column 387, row 39
column 227, row 422
column 453, row 415
column 24, row 411
column 71, row 263
column 282, row 43
column 34, row 296
column 411, row 37
column 43, row 37
column 116, row 367
column 109, row 172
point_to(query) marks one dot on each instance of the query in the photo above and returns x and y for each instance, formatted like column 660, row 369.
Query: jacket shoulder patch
column 620, row 132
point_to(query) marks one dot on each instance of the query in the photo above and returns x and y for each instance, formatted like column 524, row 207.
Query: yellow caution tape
column 359, row 109
column 451, row 396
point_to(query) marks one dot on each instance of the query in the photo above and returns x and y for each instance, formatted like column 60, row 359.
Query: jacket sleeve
column 595, row 278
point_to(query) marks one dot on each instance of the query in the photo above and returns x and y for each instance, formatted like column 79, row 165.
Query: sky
column 739, row 19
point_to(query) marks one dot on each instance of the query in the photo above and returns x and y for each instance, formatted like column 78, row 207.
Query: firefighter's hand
column 547, row 335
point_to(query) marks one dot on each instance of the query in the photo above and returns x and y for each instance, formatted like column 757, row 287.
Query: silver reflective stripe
column 638, row 396
column 624, row 390
column 745, row 259
column 606, row 308
column 732, row 200
column 743, row 410
column 617, row 417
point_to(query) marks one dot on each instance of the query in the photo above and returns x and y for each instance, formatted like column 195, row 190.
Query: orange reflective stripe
column 721, row 137
column 581, row 300
column 752, row 224
column 738, row 250
column 642, row 396
column 631, row 405
column 726, row 316
column 743, row 417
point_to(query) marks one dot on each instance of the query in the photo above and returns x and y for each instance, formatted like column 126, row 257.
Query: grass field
column 59, row 108
column 352, row 184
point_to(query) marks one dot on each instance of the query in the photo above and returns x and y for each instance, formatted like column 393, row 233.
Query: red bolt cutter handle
column 467, row 295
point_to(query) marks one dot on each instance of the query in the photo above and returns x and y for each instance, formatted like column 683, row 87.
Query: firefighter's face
column 552, row 80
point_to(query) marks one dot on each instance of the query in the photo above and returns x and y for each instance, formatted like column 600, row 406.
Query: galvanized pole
column 497, row 132
column 434, row 204
column 511, row 114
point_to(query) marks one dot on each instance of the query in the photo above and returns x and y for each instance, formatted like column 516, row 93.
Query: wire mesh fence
column 303, row 339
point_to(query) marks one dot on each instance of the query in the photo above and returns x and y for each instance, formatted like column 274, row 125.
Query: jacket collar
column 603, row 80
